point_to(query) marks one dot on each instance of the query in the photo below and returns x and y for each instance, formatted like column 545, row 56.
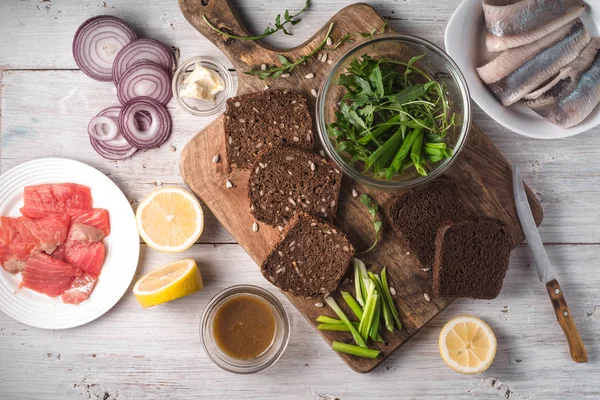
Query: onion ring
column 96, row 131
column 143, row 50
column 145, row 79
column 96, row 44
column 156, row 133
column 111, row 154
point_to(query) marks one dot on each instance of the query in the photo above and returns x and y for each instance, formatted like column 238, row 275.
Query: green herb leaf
column 377, row 80
column 283, row 59
column 373, row 208
column 410, row 93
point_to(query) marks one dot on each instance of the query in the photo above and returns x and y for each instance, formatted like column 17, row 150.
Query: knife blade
column 542, row 263
column 545, row 270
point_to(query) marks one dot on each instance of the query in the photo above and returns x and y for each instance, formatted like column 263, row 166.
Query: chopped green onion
column 354, row 350
column 358, row 282
column 328, row 320
column 335, row 327
column 369, row 310
column 334, row 306
column 374, row 330
column 388, row 295
column 352, row 304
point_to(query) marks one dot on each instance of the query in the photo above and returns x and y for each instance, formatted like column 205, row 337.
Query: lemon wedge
column 169, row 282
column 467, row 345
column 170, row 220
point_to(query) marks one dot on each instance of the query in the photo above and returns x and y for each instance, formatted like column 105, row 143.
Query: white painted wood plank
column 132, row 353
column 45, row 113
column 38, row 34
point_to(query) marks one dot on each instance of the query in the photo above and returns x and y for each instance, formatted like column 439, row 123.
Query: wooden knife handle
column 566, row 321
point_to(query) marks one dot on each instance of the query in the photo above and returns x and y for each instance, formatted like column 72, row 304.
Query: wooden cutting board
column 481, row 171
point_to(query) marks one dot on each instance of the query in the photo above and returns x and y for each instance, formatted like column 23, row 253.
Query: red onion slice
column 118, row 144
column 150, row 50
column 158, row 131
column 103, row 128
column 111, row 153
column 145, row 79
column 96, row 44
column 142, row 120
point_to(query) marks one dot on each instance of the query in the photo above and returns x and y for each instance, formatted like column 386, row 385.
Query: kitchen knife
column 545, row 270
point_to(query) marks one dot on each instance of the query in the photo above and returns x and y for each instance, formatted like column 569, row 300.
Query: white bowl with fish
column 531, row 65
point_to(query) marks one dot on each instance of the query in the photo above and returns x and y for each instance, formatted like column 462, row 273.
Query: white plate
column 465, row 43
column 122, row 246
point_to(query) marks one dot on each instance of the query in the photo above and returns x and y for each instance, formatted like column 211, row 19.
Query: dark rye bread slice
column 285, row 180
column 310, row 258
column 255, row 120
column 471, row 258
column 416, row 216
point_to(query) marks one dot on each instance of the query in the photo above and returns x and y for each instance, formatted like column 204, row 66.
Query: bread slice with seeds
column 416, row 216
column 310, row 258
column 471, row 258
column 285, row 181
column 256, row 120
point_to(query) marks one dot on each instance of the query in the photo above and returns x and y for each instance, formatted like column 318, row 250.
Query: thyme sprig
column 291, row 19
column 288, row 66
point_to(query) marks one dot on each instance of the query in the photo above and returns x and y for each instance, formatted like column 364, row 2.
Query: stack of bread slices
column 469, row 255
column 290, row 187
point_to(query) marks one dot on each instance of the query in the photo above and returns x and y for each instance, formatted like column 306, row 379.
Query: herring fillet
column 571, row 72
column 572, row 99
column 542, row 67
column 513, row 23
column 509, row 60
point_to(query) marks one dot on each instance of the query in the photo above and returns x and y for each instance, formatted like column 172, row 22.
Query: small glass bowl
column 269, row 356
column 202, row 108
column 436, row 63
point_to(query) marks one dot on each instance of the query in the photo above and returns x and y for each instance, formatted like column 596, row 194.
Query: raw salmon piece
column 96, row 217
column 13, row 250
column 46, row 233
column 80, row 289
column 87, row 256
column 59, row 252
column 82, row 232
column 48, row 275
column 22, row 237
column 69, row 198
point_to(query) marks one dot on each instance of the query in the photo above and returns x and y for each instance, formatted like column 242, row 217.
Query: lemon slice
column 169, row 282
column 467, row 345
column 170, row 220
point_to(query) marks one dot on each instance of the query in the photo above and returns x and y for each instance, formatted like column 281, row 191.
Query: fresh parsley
column 377, row 224
column 269, row 30
column 288, row 66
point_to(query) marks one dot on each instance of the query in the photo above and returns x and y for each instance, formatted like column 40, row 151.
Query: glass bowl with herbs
column 394, row 111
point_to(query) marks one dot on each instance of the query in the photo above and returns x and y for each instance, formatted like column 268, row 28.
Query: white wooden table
column 132, row 353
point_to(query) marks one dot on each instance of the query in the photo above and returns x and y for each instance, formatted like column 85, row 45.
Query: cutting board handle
column 242, row 53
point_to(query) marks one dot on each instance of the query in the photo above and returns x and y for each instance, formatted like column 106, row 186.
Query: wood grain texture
column 481, row 172
column 566, row 321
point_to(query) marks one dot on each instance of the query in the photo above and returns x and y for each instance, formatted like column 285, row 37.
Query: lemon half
column 170, row 220
column 467, row 345
column 169, row 282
